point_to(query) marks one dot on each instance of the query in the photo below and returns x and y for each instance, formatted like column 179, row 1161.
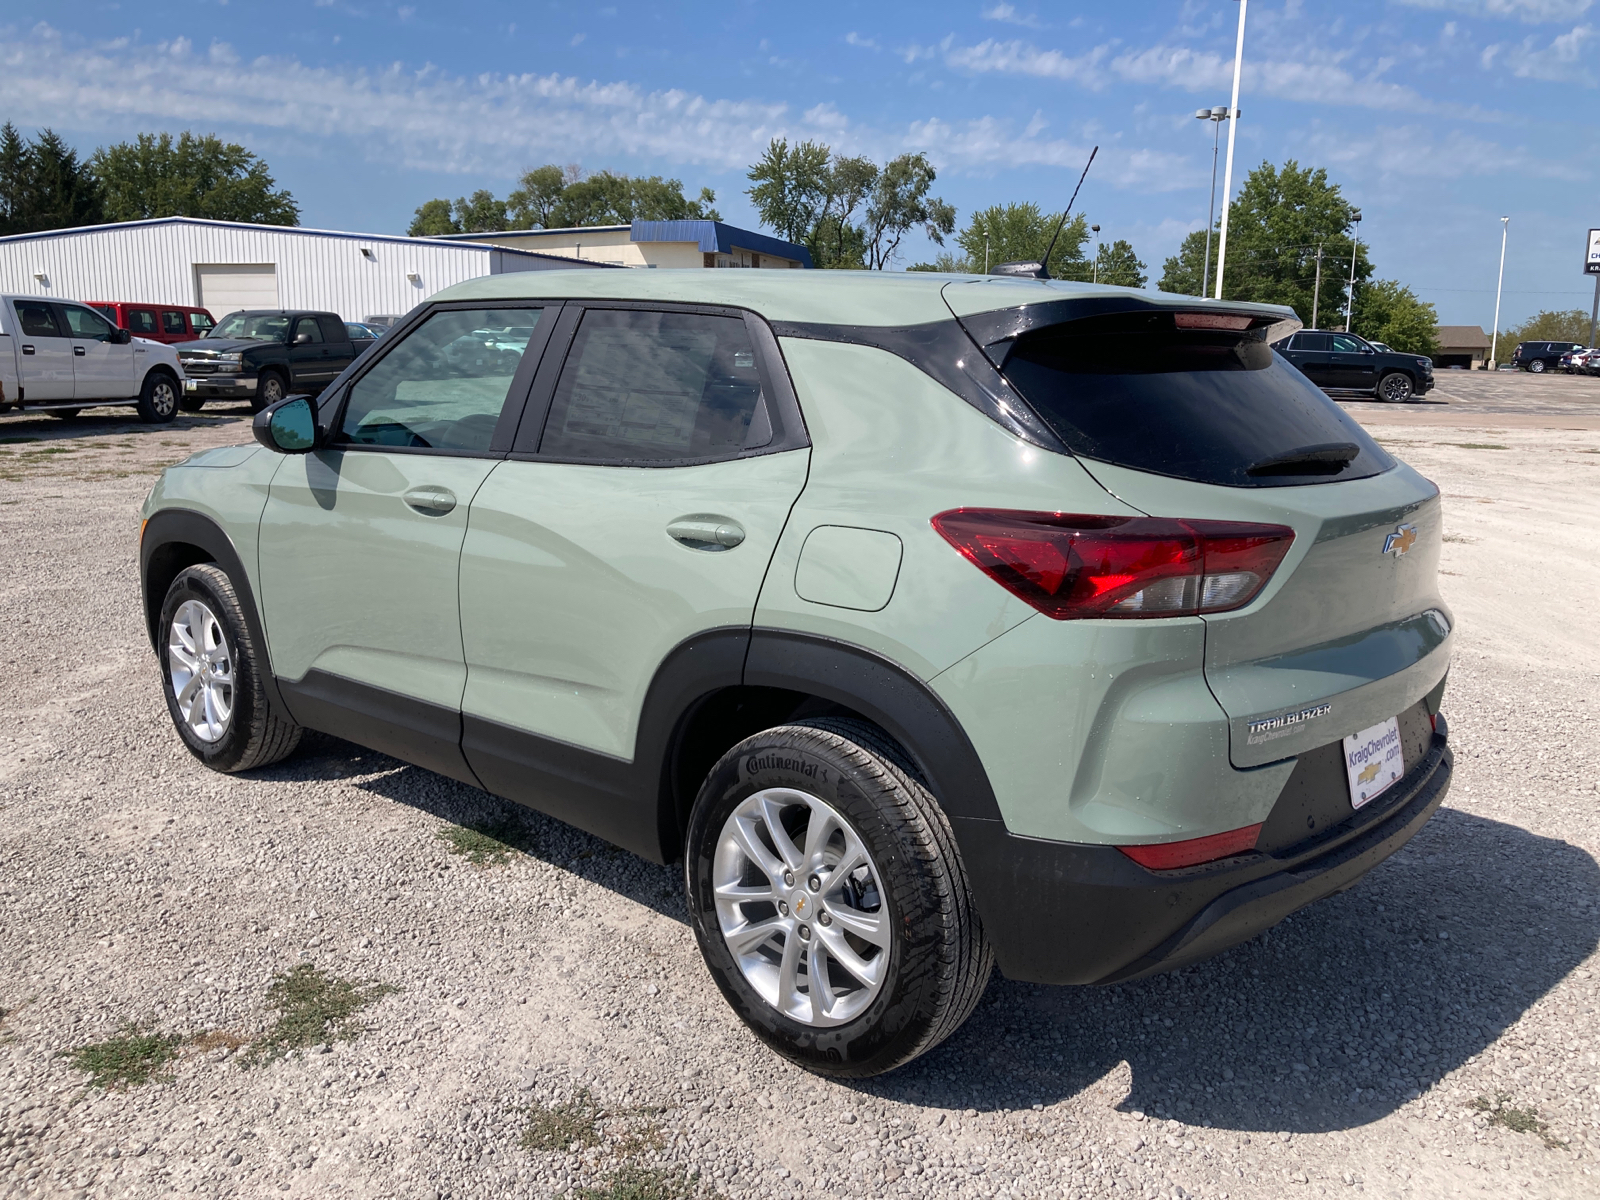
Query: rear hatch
column 1181, row 409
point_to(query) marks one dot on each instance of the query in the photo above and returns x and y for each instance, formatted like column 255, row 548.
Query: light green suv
column 933, row 622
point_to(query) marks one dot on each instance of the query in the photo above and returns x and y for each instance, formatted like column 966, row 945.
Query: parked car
column 1574, row 361
column 1539, row 357
column 59, row 357
column 1342, row 362
column 931, row 623
column 262, row 355
column 1382, row 346
column 360, row 332
column 1589, row 361
column 168, row 323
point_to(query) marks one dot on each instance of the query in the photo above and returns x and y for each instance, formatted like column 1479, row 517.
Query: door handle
column 706, row 531
column 79, row 351
column 27, row 349
column 430, row 500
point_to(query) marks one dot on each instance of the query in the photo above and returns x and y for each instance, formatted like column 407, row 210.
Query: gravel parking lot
column 346, row 976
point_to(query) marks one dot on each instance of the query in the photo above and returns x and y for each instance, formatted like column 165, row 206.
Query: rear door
column 1353, row 364
column 174, row 328
column 640, row 509
column 44, row 355
column 1312, row 353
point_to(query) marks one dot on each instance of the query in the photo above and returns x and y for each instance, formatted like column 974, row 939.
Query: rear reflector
column 1165, row 856
column 1071, row 566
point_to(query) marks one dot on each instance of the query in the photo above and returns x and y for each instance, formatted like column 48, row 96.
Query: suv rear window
column 1210, row 405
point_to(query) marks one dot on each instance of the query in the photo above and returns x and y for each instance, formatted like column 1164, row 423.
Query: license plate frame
column 1374, row 761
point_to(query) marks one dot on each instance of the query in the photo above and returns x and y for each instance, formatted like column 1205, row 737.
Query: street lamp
column 1494, row 340
column 1216, row 116
column 1095, row 229
column 1350, row 297
column 1233, row 128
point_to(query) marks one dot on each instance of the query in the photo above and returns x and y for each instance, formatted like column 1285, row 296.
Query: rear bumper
column 1059, row 912
column 213, row 387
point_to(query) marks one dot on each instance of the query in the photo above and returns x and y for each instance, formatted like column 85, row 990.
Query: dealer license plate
column 1373, row 760
column 191, row 385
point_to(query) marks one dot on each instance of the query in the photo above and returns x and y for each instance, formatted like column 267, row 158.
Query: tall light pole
column 1316, row 292
column 1096, row 231
column 1216, row 116
column 1350, row 297
column 1494, row 339
column 1233, row 127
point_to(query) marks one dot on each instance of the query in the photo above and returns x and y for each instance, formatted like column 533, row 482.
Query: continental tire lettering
column 775, row 762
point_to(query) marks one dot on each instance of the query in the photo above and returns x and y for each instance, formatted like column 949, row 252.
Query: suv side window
column 1345, row 344
column 306, row 327
column 200, row 323
column 172, row 323
column 444, row 384
column 1313, row 341
column 642, row 386
column 87, row 324
column 141, row 321
column 37, row 319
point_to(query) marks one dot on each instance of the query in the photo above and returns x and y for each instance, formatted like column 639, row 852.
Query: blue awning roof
column 714, row 236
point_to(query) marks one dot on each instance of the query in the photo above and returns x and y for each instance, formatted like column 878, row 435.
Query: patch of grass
column 1480, row 446
column 314, row 1007
column 17, row 441
column 217, row 1039
column 647, row 1183
column 131, row 1058
column 558, row 1126
column 484, row 846
column 1518, row 1120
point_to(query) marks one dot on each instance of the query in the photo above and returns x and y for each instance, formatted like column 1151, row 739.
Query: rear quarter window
column 1209, row 405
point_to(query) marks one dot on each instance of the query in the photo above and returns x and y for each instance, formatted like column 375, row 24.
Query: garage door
column 228, row 287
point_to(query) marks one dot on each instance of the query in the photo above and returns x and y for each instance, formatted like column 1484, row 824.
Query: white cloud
column 1411, row 154
column 1563, row 60
column 1531, row 11
column 1019, row 58
column 1009, row 14
column 855, row 39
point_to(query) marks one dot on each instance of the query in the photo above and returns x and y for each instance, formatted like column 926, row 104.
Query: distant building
column 655, row 244
column 1461, row 346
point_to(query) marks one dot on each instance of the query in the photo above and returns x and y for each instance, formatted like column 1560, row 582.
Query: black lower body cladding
column 1065, row 913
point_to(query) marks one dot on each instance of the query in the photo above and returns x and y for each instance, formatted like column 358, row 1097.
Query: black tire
column 270, row 388
column 191, row 404
column 253, row 735
column 1396, row 388
column 1537, row 366
column 939, row 960
column 158, row 399
column 65, row 414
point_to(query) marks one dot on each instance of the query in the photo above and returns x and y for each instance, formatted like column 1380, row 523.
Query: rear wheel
column 158, row 400
column 1395, row 387
column 272, row 388
column 830, row 902
column 212, row 673
column 1537, row 366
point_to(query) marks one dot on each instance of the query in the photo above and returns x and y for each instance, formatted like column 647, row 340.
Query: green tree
column 1274, row 229
column 433, row 219
column 43, row 185
column 1390, row 313
column 533, row 204
column 1547, row 326
column 847, row 211
column 481, row 213
column 1117, row 264
column 609, row 199
column 1017, row 233
column 155, row 176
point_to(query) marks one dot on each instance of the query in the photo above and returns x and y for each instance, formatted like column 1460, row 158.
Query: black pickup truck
column 1342, row 362
column 263, row 355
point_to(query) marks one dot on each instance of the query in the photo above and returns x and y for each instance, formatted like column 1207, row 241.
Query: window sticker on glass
column 1373, row 760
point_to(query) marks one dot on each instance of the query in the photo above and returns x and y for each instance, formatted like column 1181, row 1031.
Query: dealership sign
column 1591, row 260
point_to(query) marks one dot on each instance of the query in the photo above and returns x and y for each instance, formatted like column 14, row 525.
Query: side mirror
column 287, row 427
column 121, row 337
column 302, row 339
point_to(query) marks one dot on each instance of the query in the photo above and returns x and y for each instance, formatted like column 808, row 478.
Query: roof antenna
column 1041, row 270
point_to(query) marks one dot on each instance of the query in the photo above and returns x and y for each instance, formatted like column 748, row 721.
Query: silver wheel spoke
column 745, row 893
column 868, row 972
column 790, row 853
column 754, row 936
column 869, row 927
column 753, row 849
column 818, row 833
column 822, row 997
column 788, row 976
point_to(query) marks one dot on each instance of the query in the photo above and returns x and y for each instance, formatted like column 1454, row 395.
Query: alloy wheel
column 801, row 906
column 1396, row 389
column 1537, row 366
column 163, row 398
column 201, row 665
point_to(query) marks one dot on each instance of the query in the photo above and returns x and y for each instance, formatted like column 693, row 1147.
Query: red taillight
column 1070, row 566
column 1165, row 856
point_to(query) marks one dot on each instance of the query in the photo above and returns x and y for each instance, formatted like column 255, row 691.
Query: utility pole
column 1096, row 230
column 1494, row 338
column 1233, row 128
column 1350, row 298
column 1594, row 312
column 1316, row 295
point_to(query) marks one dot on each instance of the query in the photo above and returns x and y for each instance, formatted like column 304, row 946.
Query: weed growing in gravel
column 1480, row 446
column 485, row 846
column 1518, row 1120
column 313, row 1007
column 132, row 1057
column 647, row 1183
column 557, row 1126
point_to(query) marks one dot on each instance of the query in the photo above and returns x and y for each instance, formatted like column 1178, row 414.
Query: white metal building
column 226, row 265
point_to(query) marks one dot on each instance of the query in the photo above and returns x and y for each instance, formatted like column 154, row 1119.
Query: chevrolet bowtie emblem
column 1369, row 773
column 1402, row 539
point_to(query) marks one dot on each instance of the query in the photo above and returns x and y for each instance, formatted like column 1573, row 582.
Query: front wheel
column 1395, row 387
column 158, row 400
column 211, row 671
column 269, row 391
column 830, row 902
column 191, row 404
column 1537, row 366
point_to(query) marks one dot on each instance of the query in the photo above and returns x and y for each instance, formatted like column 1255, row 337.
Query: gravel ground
column 554, row 998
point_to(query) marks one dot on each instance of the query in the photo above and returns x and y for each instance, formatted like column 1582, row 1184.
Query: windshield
column 252, row 327
column 1211, row 405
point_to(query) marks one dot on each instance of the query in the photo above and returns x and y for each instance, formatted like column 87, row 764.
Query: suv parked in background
column 932, row 623
column 59, row 357
column 1342, row 362
column 262, row 355
column 168, row 323
column 1540, row 357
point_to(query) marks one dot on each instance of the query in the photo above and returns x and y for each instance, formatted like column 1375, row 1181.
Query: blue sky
column 1436, row 116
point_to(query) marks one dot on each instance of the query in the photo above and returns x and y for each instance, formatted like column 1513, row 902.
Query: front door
column 360, row 542
column 102, row 369
column 308, row 357
column 44, row 359
column 1354, row 364
column 646, row 514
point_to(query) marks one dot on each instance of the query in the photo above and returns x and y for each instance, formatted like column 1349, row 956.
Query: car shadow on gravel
column 1329, row 1021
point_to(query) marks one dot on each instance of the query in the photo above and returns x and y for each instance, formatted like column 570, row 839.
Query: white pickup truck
column 58, row 356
